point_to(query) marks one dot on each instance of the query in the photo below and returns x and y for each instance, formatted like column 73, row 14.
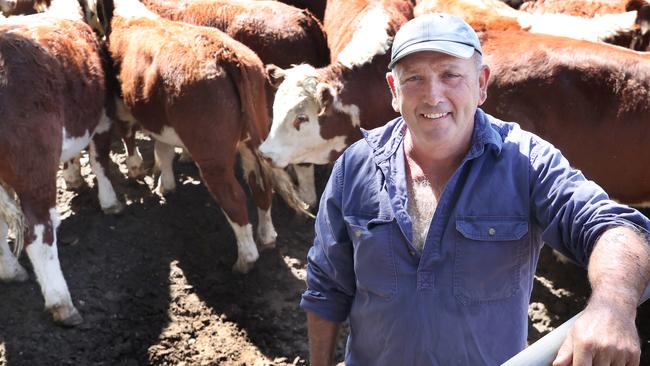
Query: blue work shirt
column 464, row 299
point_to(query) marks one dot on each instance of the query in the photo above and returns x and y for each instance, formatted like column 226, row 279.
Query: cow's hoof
column 115, row 209
column 19, row 274
column 66, row 316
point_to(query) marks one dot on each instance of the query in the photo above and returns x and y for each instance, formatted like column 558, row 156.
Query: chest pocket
column 489, row 255
column 374, row 260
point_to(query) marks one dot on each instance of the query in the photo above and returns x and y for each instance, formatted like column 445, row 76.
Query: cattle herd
column 278, row 87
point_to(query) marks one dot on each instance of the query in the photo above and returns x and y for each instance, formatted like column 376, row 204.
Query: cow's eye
column 300, row 119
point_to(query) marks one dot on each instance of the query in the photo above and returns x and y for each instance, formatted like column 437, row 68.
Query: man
column 430, row 228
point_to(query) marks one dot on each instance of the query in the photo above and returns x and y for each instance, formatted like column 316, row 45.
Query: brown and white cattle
column 198, row 88
column 317, row 113
column 52, row 95
column 280, row 34
column 316, row 7
column 495, row 15
column 590, row 100
column 24, row 7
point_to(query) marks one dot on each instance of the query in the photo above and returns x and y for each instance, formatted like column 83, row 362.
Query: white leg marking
column 107, row 197
column 246, row 250
column 164, row 155
column 10, row 269
column 306, row 183
column 265, row 229
column 72, row 173
column 45, row 260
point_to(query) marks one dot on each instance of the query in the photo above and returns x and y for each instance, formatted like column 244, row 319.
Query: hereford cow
column 317, row 112
column 197, row 88
column 52, row 95
column 590, row 100
column 618, row 29
column 25, row 7
column 280, row 34
column 316, row 7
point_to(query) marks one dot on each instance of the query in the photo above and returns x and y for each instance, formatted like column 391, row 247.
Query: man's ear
column 483, row 78
column 390, row 79
column 325, row 97
column 275, row 75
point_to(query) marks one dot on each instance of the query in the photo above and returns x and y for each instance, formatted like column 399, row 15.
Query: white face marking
column 265, row 229
column 71, row 146
column 45, row 260
column 133, row 9
column 247, row 253
column 297, row 96
column 370, row 38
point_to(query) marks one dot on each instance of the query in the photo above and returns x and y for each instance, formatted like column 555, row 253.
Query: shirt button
column 412, row 252
column 492, row 231
column 357, row 233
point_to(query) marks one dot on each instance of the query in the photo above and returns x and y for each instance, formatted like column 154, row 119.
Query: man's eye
column 413, row 78
column 450, row 75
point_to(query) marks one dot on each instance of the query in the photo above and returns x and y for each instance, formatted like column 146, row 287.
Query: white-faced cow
column 317, row 112
column 590, row 100
column 52, row 95
column 618, row 29
column 198, row 88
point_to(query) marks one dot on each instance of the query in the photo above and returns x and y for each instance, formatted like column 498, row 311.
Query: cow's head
column 301, row 101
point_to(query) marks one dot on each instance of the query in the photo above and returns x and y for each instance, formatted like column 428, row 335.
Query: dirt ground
column 155, row 286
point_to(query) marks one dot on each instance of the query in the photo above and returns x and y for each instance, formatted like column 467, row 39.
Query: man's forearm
column 322, row 339
column 619, row 267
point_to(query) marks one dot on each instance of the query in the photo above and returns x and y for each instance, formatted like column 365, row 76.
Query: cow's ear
column 325, row 96
column 275, row 75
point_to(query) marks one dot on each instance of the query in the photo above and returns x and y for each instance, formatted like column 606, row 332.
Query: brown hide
column 480, row 19
column 583, row 8
column 280, row 34
column 316, row 7
column 206, row 86
column 364, row 86
column 50, row 77
column 342, row 18
column 592, row 101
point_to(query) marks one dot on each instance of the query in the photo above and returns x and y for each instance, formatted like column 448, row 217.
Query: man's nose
column 432, row 92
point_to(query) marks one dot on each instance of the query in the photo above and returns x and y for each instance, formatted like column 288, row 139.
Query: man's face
column 437, row 94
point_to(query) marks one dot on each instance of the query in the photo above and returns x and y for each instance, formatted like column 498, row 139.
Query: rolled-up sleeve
column 330, row 267
column 572, row 211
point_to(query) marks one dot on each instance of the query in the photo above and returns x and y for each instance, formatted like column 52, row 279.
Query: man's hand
column 602, row 335
column 605, row 333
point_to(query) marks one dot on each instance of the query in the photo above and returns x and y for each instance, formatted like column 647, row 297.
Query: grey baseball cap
column 436, row 32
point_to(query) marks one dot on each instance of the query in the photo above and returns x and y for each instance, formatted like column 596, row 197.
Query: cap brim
column 455, row 49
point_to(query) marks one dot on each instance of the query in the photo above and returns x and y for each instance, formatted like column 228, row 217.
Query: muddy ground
column 155, row 286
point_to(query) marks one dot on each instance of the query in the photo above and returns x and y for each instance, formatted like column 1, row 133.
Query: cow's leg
column 219, row 177
column 10, row 269
column 126, row 131
column 306, row 183
column 99, row 152
column 38, row 201
column 164, row 155
column 71, row 172
column 262, row 193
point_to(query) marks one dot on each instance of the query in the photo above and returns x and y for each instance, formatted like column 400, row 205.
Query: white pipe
column 543, row 352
